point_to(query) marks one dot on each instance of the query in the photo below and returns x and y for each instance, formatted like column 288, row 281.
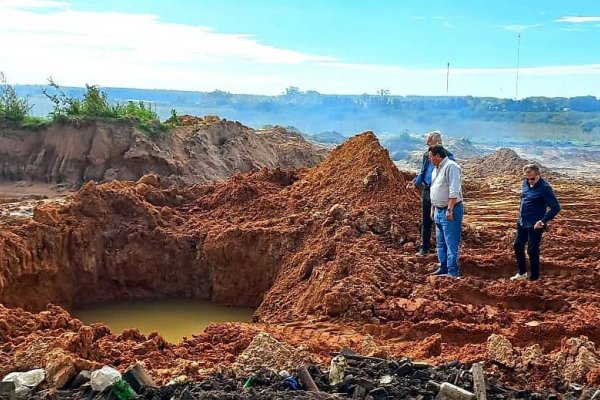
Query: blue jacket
column 423, row 178
column 538, row 203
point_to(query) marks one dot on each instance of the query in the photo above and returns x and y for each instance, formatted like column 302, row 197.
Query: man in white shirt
column 446, row 210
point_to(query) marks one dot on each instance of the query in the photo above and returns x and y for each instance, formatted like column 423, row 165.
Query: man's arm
column 454, row 182
column 552, row 204
column 418, row 180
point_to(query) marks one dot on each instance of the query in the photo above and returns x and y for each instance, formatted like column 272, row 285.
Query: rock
column 336, row 370
column 137, row 377
column 266, row 352
column 7, row 390
column 28, row 379
column 371, row 181
column 80, row 379
column 150, row 179
column 500, row 350
column 337, row 211
column 532, row 355
column 449, row 391
column 60, row 368
column 145, row 347
column 431, row 346
column 577, row 357
column 104, row 377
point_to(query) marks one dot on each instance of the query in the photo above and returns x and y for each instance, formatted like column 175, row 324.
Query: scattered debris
column 104, row 377
column 266, row 352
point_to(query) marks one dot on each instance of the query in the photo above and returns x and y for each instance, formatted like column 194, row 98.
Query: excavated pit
column 325, row 254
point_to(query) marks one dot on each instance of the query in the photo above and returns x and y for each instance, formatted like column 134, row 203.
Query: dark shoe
column 421, row 253
column 448, row 276
column 440, row 272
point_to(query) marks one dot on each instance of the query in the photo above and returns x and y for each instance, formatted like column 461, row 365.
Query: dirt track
column 327, row 255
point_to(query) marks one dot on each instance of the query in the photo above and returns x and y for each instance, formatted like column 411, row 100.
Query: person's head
column 437, row 153
column 433, row 138
column 531, row 172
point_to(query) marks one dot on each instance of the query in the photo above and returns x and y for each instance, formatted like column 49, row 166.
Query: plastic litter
column 28, row 379
column 336, row 370
column 104, row 377
column 249, row 382
column 122, row 390
column 291, row 383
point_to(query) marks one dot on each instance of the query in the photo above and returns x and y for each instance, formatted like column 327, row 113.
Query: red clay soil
column 327, row 256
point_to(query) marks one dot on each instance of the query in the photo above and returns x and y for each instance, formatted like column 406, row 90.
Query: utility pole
column 447, row 77
column 518, row 62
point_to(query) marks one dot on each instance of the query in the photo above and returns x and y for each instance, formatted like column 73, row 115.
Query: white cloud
column 63, row 34
column 578, row 20
column 519, row 28
column 33, row 4
column 41, row 38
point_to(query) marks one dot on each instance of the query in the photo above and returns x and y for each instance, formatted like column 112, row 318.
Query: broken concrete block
column 449, row 391
column 137, row 377
column 500, row 350
column 7, row 390
column 80, row 379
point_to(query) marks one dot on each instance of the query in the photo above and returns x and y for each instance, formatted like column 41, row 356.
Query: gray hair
column 531, row 168
column 435, row 136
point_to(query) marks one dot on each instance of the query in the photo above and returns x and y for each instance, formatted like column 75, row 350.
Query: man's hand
column 411, row 185
column 449, row 215
column 432, row 214
column 539, row 225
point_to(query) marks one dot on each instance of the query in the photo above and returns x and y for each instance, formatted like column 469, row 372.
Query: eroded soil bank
column 197, row 150
column 327, row 256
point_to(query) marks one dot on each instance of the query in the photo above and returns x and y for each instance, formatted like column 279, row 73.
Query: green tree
column 292, row 91
column 12, row 107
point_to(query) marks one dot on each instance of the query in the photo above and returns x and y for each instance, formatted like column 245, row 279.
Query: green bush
column 12, row 107
column 95, row 104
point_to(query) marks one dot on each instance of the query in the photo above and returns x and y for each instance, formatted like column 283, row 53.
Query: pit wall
column 121, row 246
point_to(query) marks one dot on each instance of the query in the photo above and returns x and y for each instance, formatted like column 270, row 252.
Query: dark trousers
column 426, row 219
column 532, row 238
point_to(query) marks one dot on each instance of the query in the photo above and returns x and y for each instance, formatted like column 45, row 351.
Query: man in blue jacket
column 423, row 181
column 538, row 206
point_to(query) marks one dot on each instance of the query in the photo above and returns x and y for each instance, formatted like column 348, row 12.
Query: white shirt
column 446, row 183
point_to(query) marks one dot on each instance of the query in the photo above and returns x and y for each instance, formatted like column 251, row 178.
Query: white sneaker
column 519, row 277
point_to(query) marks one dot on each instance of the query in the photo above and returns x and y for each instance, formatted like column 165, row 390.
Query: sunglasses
column 532, row 179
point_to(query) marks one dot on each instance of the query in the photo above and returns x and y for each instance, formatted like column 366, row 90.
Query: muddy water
column 173, row 319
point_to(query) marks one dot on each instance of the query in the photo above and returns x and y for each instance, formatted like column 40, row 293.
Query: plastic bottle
column 122, row 390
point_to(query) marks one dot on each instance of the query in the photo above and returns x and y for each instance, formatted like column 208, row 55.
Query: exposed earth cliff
column 197, row 150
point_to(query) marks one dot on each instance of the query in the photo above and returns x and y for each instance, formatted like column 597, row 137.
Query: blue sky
column 352, row 47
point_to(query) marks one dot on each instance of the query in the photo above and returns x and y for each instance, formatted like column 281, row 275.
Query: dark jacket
column 423, row 178
column 538, row 203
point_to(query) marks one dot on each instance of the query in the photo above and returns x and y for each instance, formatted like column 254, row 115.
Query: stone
column 577, row 358
column 60, row 368
column 7, row 390
column 532, row 355
column 337, row 211
column 137, row 377
column 81, row 378
column 266, row 351
column 500, row 350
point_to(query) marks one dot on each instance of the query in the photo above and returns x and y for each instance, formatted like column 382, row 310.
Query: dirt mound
column 504, row 161
column 462, row 148
column 327, row 256
column 200, row 150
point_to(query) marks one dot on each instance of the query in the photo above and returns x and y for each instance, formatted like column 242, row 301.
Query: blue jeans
column 448, row 238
